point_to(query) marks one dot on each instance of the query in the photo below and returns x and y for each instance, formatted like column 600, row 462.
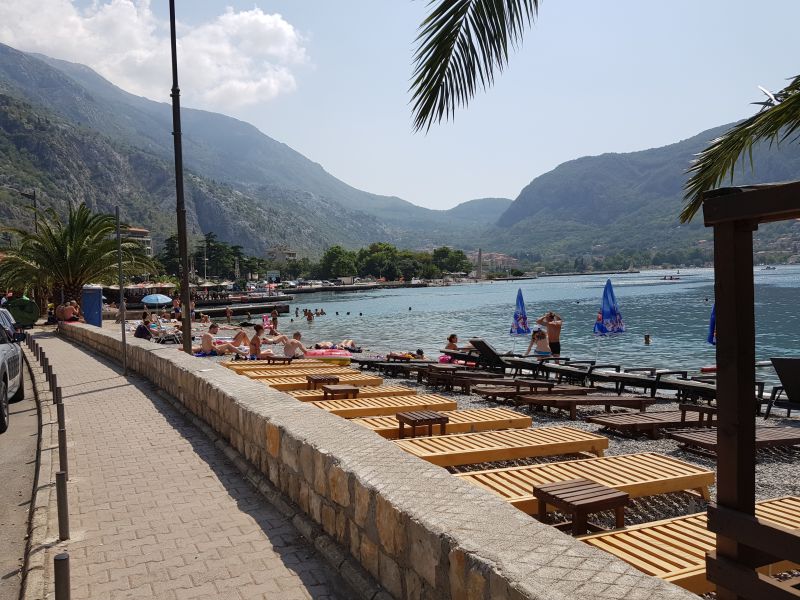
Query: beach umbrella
column 156, row 299
column 609, row 319
column 712, row 326
column 519, row 326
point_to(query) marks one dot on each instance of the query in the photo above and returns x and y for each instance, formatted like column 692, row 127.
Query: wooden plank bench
column 572, row 403
column 643, row 474
column 675, row 549
column 363, row 392
column 375, row 407
column 461, row 421
column 653, row 423
column 705, row 440
column 300, row 383
column 509, row 444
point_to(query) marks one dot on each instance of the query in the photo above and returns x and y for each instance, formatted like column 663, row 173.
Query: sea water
column 675, row 313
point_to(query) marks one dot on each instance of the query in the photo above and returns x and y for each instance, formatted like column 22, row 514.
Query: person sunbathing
column 257, row 341
column 539, row 338
column 207, row 346
column 294, row 348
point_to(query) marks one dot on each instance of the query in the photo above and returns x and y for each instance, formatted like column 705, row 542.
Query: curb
column 361, row 583
column 36, row 577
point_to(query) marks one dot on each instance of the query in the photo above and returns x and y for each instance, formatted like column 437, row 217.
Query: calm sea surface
column 674, row 313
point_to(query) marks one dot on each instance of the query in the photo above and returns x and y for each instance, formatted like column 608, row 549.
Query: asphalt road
column 17, row 464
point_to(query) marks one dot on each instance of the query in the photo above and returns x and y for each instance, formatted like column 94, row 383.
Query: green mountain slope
column 602, row 204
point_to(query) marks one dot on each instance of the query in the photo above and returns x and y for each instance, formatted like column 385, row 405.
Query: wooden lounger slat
column 364, row 392
column 766, row 437
column 461, row 421
column 651, row 423
column 571, row 402
column 264, row 374
column 369, row 407
column 675, row 549
column 488, row 446
column 252, row 365
column 644, row 474
column 300, row 383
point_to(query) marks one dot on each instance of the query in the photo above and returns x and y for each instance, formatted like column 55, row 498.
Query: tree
column 169, row 256
column 338, row 262
column 70, row 255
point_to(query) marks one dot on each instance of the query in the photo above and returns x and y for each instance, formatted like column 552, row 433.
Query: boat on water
column 769, row 268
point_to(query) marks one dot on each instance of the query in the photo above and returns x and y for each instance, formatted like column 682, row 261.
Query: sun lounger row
column 460, row 421
column 509, row 444
column 644, row 474
column 675, row 549
column 363, row 392
column 571, row 403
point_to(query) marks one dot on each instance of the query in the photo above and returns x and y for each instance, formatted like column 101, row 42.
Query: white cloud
column 237, row 59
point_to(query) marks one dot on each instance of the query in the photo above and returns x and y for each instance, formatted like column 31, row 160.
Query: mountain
column 281, row 196
column 631, row 201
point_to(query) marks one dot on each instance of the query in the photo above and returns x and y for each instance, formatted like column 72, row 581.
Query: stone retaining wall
column 419, row 531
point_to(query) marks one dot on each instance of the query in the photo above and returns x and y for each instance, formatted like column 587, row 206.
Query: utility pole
column 180, row 204
column 205, row 262
column 121, row 308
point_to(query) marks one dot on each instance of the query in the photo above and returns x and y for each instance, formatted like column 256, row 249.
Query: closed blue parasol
column 520, row 324
column 712, row 326
column 156, row 299
column 609, row 319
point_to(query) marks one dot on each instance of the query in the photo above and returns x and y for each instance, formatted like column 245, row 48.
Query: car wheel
column 4, row 413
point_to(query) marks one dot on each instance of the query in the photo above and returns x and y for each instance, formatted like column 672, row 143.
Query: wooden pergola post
column 744, row 542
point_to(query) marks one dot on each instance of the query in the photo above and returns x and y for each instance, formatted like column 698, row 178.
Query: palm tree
column 778, row 119
column 69, row 255
column 462, row 43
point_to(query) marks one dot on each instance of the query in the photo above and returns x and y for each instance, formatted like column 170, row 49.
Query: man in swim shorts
column 294, row 348
column 553, row 323
column 208, row 347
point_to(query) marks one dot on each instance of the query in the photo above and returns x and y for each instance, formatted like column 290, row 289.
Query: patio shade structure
column 744, row 542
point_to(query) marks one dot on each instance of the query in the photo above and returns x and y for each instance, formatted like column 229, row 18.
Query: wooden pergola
column 744, row 541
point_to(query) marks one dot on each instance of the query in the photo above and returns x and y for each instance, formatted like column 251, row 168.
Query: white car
column 12, row 388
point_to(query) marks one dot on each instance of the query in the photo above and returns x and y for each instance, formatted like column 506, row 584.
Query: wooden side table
column 314, row 381
column 333, row 391
column 284, row 360
column 421, row 418
column 580, row 498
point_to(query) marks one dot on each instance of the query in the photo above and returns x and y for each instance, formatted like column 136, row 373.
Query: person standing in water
column 553, row 324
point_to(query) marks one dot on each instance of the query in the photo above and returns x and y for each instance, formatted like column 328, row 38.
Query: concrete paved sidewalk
column 157, row 511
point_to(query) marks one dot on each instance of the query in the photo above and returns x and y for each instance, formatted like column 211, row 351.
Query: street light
column 180, row 207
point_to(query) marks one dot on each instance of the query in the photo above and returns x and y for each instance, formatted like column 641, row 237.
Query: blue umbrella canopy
column 609, row 319
column 519, row 326
column 712, row 326
column 156, row 299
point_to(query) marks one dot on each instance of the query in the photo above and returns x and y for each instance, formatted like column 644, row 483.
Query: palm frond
column 460, row 45
column 777, row 121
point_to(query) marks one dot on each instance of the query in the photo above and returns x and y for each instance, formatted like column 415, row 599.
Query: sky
column 330, row 78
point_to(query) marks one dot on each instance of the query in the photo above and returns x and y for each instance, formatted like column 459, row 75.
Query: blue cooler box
column 92, row 305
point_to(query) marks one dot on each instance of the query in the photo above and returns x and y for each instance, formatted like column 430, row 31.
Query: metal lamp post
column 180, row 204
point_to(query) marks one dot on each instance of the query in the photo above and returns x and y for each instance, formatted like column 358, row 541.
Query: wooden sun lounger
column 652, row 423
column 375, row 407
column 512, row 388
column 571, row 403
column 363, row 392
column 329, row 370
column 644, row 474
column 286, row 384
column 509, row 444
column 461, row 421
column 675, row 549
column 255, row 365
column 766, row 437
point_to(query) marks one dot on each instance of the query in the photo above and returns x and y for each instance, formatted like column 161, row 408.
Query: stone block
column 315, row 506
column 414, row 586
column 424, row 551
column 341, row 527
column 390, row 530
column 355, row 539
column 320, row 473
column 307, row 463
column 273, row 440
column 369, row 556
column 290, row 451
column 390, row 575
column 363, row 500
column 328, row 519
column 457, row 573
column 302, row 499
column 338, row 486
column 476, row 585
